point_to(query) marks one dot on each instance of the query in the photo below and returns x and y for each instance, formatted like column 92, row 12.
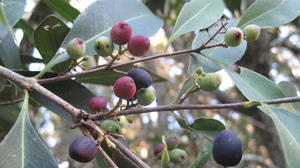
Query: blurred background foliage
column 275, row 55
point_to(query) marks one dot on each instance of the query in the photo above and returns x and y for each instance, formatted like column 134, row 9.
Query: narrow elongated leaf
column 270, row 13
column 63, row 8
column 48, row 37
column 228, row 55
column 97, row 20
column 22, row 147
column 204, row 154
column 196, row 15
column 287, row 125
column 108, row 78
column 26, row 27
column 10, row 12
column 209, row 127
column 256, row 87
column 10, row 55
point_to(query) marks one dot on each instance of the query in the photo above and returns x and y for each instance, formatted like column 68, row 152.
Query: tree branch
column 166, row 108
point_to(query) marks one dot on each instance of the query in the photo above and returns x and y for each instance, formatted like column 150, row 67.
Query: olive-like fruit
column 210, row 82
column 234, row 36
column 121, row 33
column 252, row 32
column 125, row 88
column 178, row 155
column 76, row 48
column 227, row 148
column 83, row 149
column 172, row 141
column 138, row 45
column 145, row 96
column 142, row 78
column 111, row 126
column 158, row 150
column 98, row 103
column 104, row 46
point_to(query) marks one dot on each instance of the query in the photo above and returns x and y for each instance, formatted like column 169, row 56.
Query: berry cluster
column 235, row 36
column 176, row 154
column 120, row 34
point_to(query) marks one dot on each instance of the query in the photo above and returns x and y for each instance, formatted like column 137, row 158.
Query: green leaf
column 287, row 125
column 22, row 147
column 290, row 90
column 48, row 37
column 69, row 90
column 63, row 8
column 165, row 157
column 256, row 87
column 10, row 12
column 204, row 154
column 187, row 86
column 26, row 27
column 108, row 77
column 209, row 127
column 8, row 116
column 10, row 55
column 196, row 15
column 97, row 20
column 228, row 55
column 270, row 13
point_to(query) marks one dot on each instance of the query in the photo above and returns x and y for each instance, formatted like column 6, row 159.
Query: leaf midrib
column 188, row 21
column 263, row 13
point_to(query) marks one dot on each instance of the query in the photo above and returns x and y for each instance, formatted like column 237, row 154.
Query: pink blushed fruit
column 138, row 45
column 98, row 103
column 121, row 33
column 125, row 88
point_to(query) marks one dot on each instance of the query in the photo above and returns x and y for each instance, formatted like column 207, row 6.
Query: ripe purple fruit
column 121, row 33
column 125, row 88
column 138, row 45
column 158, row 150
column 234, row 36
column 173, row 141
column 83, row 149
column 142, row 78
column 178, row 155
column 98, row 103
column 227, row 148
column 252, row 32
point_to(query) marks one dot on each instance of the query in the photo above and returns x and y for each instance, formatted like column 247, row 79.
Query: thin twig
column 166, row 108
column 11, row 102
column 106, row 157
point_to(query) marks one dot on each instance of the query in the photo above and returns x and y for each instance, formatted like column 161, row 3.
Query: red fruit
column 98, row 103
column 125, row 88
column 158, row 149
column 138, row 45
column 121, row 33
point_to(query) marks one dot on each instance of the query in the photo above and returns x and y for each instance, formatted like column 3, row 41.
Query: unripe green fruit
column 252, row 32
column 104, row 46
column 178, row 155
column 210, row 82
column 76, row 48
column 111, row 126
column 172, row 141
column 234, row 36
column 145, row 96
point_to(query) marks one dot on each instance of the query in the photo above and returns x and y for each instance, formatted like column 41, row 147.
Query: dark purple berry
column 227, row 148
column 83, row 149
column 142, row 78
